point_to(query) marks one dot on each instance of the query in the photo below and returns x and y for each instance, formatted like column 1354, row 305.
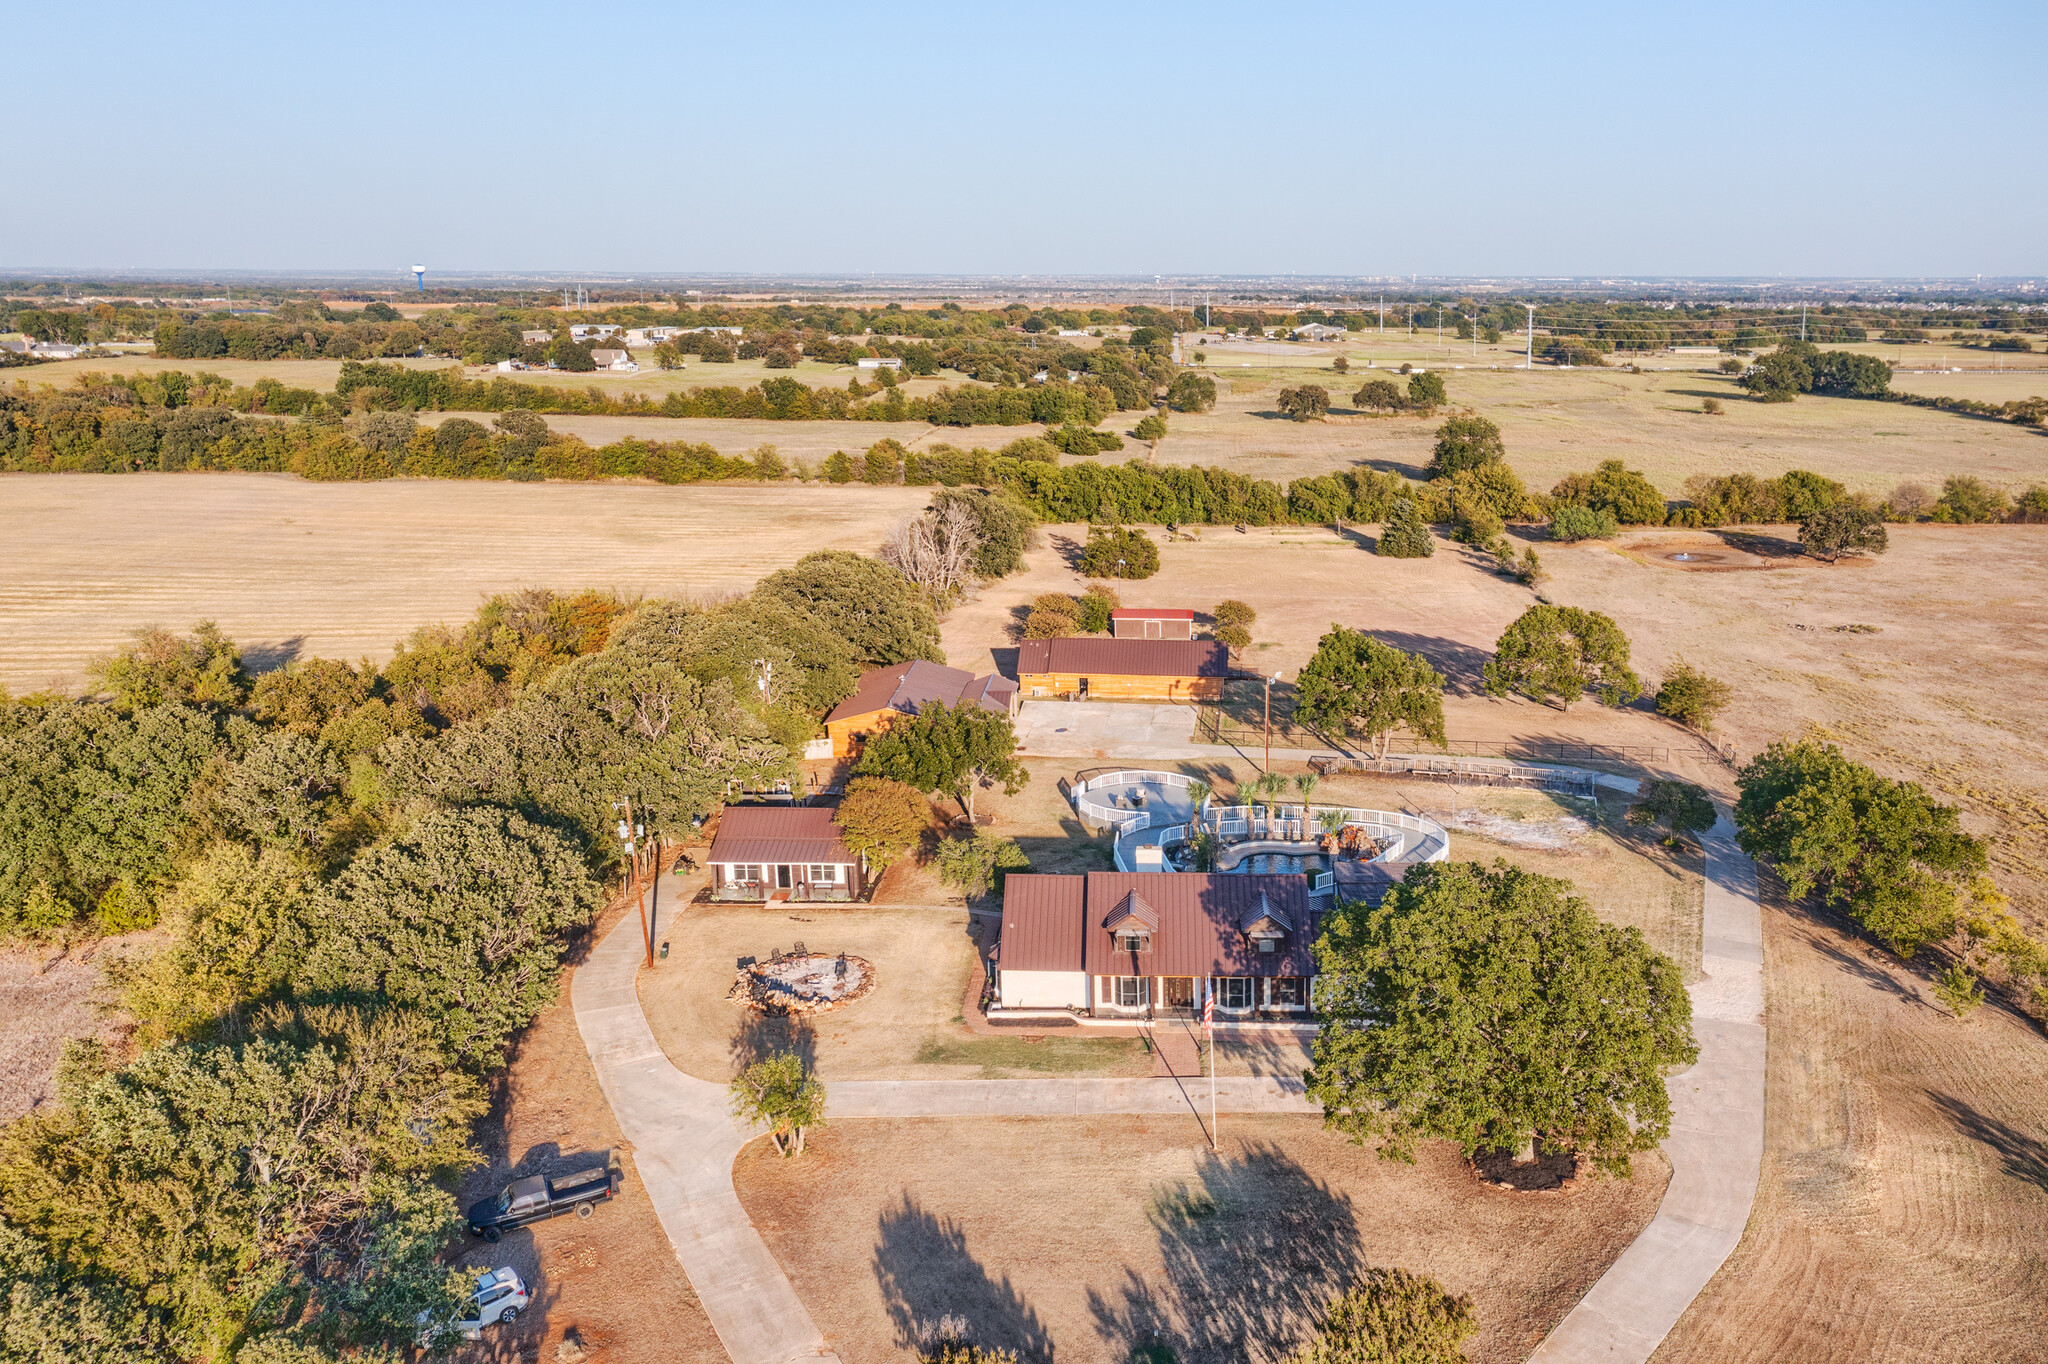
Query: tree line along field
column 1554, row 421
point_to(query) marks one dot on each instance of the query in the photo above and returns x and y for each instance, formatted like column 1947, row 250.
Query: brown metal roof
column 1042, row 923
column 1151, row 613
column 778, row 834
column 905, row 687
column 1058, row 923
column 1124, row 657
column 1131, row 909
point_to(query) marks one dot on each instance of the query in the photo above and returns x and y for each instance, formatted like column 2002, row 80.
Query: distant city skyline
column 1749, row 141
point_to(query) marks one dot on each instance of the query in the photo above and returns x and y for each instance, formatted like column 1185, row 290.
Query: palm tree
column 1269, row 786
column 1306, row 784
column 1199, row 792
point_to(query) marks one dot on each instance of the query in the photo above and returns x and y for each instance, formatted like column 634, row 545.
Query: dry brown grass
column 344, row 570
column 909, row 1027
column 48, row 996
column 1085, row 1239
column 1904, row 1199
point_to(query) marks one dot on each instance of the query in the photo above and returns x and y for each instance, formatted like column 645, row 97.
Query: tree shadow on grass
column 935, row 1289
column 1254, row 1247
column 760, row 1036
column 1462, row 665
column 2024, row 1156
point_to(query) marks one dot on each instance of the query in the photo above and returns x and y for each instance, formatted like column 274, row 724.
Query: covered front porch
column 808, row 882
column 1238, row 998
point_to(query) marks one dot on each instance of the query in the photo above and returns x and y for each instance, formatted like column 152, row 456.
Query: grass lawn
column 1122, row 1239
column 909, row 1027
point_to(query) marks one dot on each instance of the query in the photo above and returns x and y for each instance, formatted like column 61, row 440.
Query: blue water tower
column 420, row 273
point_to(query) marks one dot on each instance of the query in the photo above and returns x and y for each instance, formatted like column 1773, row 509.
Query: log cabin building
column 1124, row 669
column 904, row 689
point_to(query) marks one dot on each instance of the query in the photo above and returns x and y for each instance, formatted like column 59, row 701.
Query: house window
column 746, row 873
column 1267, row 945
column 1234, row 992
column 824, row 874
column 1134, row 942
column 1285, row 991
column 1127, row 992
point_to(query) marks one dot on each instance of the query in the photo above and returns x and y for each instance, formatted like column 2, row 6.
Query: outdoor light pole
column 1269, row 719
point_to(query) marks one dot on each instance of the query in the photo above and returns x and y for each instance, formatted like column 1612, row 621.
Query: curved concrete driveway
column 684, row 1141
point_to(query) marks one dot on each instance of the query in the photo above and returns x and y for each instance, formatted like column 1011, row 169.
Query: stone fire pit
column 802, row 983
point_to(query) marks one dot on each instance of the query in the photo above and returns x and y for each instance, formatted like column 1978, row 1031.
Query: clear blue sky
column 1466, row 139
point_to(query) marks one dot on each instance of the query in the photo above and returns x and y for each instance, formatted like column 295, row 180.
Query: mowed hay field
column 345, row 570
column 1088, row 1239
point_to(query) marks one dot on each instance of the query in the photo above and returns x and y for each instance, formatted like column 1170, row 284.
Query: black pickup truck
column 537, row 1198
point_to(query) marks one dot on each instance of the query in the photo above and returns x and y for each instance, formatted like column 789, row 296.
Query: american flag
column 1209, row 1010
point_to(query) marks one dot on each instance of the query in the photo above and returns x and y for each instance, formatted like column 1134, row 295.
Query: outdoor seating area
column 1157, row 825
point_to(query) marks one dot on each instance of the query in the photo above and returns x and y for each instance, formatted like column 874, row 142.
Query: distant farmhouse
column 1124, row 669
column 879, row 362
column 535, row 338
column 906, row 688
column 1318, row 331
column 618, row 361
column 640, row 338
column 594, row 331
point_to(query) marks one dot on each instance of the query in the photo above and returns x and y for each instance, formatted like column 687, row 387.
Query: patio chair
column 797, row 951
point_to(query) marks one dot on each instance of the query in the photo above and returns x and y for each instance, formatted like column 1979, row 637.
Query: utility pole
column 1802, row 321
column 1438, row 308
column 1209, row 1027
column 1530, row 362
column 628, row 831
column 1383, row 317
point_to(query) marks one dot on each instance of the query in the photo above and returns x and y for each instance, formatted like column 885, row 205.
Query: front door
column 1179, row 992
column 782, row 878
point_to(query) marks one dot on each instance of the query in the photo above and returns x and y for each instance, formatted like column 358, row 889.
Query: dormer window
column 1134, row 942
column 1267, row 945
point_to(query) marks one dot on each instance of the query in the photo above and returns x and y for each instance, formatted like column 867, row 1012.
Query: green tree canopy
column 1572, row 522
column 1119, row 552
column 1489, row 1007
column 1426, row 391
column 1884, row 850
column 1560, row 653
column 955, row 750
column 1391, row 1317
column 243, row 1183
column 1612, row 487
column 1405, row 535
column 1191, row 392
column 879, row 612
column 462, row 916
column 1465, row 442
column 1381, row 395
column 1691, row 697
column 1356, row 684
column 781, row 1094
column 1679, row 806
column 880, row 820
column 977, row 863
column 1844, row 528
column 1308, row 402
column 204, row 669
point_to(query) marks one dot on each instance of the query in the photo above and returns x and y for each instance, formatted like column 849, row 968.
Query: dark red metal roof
column 1151, row 613
column 1042, row 923
column 905, row 687
column 1124, row 657
column 1057, row 923
column 778, row 834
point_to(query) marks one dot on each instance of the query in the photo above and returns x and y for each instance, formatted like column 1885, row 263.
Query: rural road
column 685, row 1140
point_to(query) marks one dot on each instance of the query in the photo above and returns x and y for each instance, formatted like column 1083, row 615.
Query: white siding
column 1043, row 989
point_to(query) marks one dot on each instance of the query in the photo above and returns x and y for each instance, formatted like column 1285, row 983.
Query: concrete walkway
column 684, row 1141
column 1716, row 1146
